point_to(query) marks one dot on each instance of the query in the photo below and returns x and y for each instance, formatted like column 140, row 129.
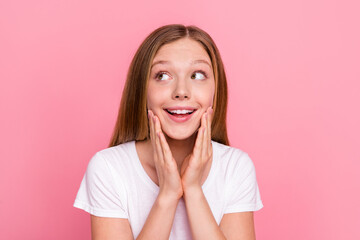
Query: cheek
column 151, row 101
column 151, row 96
column 156, row 97
column 206, row 96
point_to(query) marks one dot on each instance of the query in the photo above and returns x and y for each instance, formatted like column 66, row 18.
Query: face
column 181, row 87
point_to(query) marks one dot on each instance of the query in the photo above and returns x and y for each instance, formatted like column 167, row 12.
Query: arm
column 243, row 199
column 160, row 219
column 238, row 225
column 110, row 228
column 157, row 226
column 201, row 219
column 202, row 222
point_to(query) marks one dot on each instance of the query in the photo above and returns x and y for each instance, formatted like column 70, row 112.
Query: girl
column 169, row 172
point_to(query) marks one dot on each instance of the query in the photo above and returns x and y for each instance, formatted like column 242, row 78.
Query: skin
column 181, row 83
column 178, row 156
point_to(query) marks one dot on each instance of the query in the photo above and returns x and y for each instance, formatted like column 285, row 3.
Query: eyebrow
column 192, row 63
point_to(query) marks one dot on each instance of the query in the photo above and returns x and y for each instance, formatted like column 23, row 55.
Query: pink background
column 294, row 79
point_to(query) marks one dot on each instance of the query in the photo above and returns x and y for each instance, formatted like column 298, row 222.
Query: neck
column 181, row 148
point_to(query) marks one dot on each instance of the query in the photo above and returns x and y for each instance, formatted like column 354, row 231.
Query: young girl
column 168, row 172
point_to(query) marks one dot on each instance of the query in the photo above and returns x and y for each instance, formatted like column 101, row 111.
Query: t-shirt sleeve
column 242, row 190
column 98, row 193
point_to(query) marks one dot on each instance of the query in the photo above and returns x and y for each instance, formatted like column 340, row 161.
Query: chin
column 180, row 135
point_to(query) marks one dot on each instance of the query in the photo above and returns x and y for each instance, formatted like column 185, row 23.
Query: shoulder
column 232, row 157
column 112, row 157
column 115, row 151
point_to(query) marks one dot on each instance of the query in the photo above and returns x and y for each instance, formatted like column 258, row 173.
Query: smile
column 181, row 114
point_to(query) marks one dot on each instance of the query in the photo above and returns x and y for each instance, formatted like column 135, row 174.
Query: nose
column 181, row 90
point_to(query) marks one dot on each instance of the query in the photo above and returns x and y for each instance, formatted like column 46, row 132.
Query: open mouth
column 180, row 113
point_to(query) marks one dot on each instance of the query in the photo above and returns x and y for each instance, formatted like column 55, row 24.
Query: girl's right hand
column 166, row 167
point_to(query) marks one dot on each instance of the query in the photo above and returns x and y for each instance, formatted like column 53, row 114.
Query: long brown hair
column 132, row 121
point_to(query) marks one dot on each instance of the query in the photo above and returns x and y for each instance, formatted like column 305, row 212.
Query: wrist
column 167, row 200
column 193, row 192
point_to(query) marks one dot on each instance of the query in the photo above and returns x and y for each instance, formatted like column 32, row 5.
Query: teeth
column 181, row 111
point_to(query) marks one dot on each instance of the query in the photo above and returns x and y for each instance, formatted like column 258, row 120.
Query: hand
column 166, row 166
column 192, row 169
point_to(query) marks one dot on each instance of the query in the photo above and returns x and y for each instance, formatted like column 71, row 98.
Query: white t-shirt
column 116, row 185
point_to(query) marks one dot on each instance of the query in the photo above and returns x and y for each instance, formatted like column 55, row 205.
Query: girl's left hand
column 193, row 167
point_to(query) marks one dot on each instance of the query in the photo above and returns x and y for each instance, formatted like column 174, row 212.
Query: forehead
column 184, row 49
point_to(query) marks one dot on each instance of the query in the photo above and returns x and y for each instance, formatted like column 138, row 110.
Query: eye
column 200, row 74
column 162, row 76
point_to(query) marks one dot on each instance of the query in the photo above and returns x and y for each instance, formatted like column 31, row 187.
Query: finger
column 150, row 118
column 210, row 116
column 199, row 139
column 165, row 148
column 209, row 120
column 157, row 124
column 152, row 130
column 198, row 143
column 205, row 142
column 157, row 142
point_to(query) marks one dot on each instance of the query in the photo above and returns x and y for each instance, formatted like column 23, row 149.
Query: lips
column 180, row 114
column 180, row 110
